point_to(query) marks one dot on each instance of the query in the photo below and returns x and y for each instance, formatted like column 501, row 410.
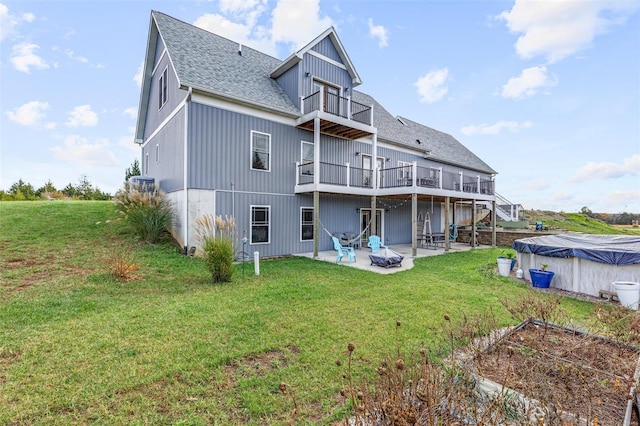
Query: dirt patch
column 575, row 372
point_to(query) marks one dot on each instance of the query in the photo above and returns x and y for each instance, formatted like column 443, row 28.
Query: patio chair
column 375, row 244
column 342, row 250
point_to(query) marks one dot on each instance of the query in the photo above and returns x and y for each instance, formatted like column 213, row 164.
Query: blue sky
column 547, row 93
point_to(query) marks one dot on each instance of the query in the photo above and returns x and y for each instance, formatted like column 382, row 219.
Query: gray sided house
column 290, row 149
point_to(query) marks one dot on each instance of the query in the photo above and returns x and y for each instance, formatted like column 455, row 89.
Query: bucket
column 504, row 266
column 628, row 293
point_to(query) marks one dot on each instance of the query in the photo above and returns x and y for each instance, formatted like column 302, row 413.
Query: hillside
column 577, row 222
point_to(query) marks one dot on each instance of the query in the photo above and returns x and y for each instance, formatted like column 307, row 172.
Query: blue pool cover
column 610, row 249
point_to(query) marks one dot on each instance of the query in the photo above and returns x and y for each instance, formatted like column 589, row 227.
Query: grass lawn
column 78, row 346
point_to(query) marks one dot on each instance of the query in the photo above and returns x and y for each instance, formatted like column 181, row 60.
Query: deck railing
column 337, row 105
column 395, row 177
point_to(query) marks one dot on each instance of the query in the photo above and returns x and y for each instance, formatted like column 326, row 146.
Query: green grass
column 77, row 346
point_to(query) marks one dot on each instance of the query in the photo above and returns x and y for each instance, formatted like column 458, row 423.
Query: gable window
column 157, row 153
column 260, row 151
column 307, row 156
column 405, row 169
column 260, row 224
column 162, row 88
column 306, row 223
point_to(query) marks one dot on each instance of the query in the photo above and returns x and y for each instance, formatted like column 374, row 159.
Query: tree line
column 83, row 190
column 613, row 218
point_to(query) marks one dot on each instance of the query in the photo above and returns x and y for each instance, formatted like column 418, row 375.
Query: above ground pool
column 582, row 263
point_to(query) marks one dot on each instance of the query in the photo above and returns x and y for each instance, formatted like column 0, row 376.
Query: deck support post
column 473, row 224
column 316, row 222
column 493, row 224
column 373, row 227
column 447, row 242
column 414, row 224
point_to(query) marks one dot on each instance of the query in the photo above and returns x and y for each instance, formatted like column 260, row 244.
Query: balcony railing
column 395, row 177
column 337, row 105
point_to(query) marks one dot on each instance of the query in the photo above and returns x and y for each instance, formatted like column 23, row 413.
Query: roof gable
column 319, row 47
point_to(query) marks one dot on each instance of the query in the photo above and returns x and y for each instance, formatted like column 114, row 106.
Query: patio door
column 365, row 218
column 331, row 95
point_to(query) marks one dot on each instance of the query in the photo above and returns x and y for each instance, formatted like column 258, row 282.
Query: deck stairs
column 506, row 210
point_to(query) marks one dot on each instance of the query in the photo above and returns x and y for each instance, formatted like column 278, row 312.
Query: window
column 157, row 153
column 306, row 223
column 405, row 169
column 260, row 217
column 307, row 158
column 260, row 151
column 162, row 88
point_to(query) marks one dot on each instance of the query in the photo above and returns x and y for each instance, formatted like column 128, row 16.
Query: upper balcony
column 339, row 116
column 345, row 179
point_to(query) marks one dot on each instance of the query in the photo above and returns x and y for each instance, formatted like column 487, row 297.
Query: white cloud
column 379, row 32
column 71, row 55
column 608, row 170
column 494, row 129
column 233, row 31
column 433, row 86
column 537, row 185
column 79, row 150
column 131, row 112
column 293, row 22
column 29, row 114
column 298, row 22
column 137, row 78
column 557, row 29
column 527, row 83
column 238, row 6
column 624, row 198
column 23, row 57
column 82, row 116
column 9, row 22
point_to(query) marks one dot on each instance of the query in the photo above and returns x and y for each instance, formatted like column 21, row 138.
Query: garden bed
column 573, row 376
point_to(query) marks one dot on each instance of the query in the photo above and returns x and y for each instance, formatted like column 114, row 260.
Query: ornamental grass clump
column 216, row 236
column 147, row 210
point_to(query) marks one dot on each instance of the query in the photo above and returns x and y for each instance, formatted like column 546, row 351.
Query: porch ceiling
column 336, row 129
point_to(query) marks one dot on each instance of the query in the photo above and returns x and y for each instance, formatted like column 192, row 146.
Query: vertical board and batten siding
column 325, row 71
column 175, row 95
column 291, row 83
column 325, row 47
column 284, row 220
column 159, row 50
column 220, row 152
column 169, row 172
column 337, row 151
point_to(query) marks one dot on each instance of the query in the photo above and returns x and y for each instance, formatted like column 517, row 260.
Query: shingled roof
column 211, row 64
column 404, row 132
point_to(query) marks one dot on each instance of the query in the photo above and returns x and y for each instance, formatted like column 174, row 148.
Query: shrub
column 217, row 236
column 122, row 266
column 147, row 211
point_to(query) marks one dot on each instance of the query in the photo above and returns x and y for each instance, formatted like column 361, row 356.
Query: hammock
column 352, row 240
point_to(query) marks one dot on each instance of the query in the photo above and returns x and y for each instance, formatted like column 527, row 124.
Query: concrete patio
column 363, row 262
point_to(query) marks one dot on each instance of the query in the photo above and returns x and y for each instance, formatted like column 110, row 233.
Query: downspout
column 185, row 210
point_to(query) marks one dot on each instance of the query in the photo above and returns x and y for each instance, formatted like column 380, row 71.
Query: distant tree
column 134, row 170
column 47, row 188
column 69, row 191
column 22, row 191
column 586, row 211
